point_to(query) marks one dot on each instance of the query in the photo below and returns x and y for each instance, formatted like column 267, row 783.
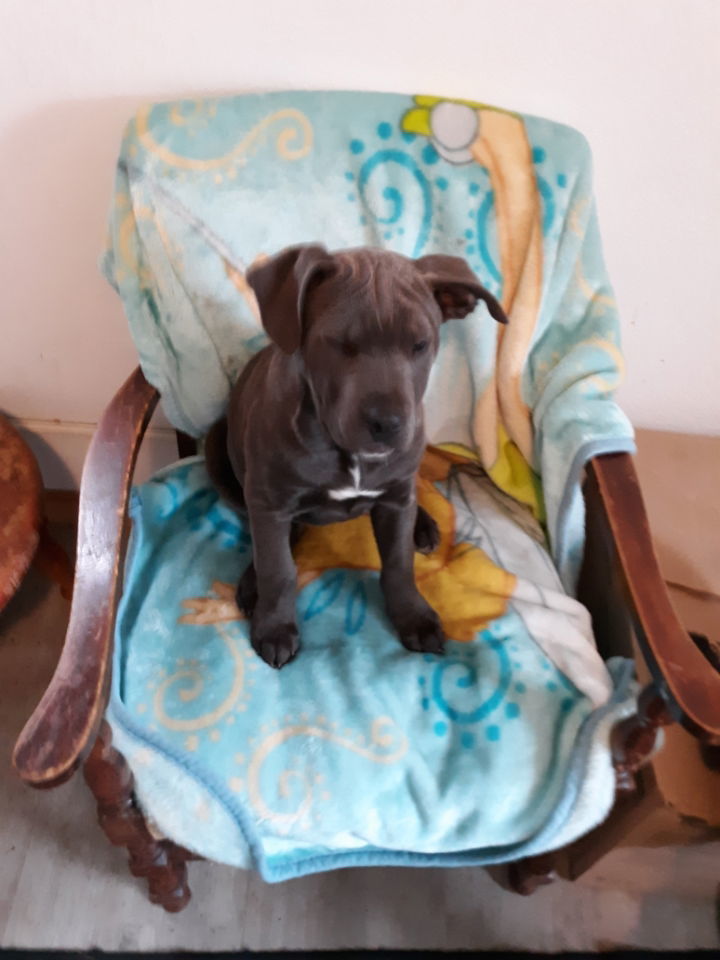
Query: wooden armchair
column 620, row 584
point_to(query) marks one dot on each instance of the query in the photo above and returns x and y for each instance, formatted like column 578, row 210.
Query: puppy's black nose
column 382, row 426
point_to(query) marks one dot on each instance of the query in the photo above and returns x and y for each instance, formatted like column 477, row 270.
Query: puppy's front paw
column 275, row 645
column 419, row 630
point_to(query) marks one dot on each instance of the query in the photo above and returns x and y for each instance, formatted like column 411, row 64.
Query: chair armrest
column 686, row 680
column 62, row 729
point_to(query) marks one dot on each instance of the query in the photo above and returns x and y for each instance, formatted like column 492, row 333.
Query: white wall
column 641, row 78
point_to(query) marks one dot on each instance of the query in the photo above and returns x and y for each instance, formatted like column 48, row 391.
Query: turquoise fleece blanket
column 359, row 752
column 205, row 187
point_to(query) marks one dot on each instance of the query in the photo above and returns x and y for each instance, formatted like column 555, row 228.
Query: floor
column 63, row 885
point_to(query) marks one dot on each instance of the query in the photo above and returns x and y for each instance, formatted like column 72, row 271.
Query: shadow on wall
column 56, row 472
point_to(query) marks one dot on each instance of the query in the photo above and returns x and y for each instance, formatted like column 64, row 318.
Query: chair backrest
column 205, row 187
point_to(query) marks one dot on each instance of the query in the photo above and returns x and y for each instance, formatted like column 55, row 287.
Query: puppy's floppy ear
column 456, row 288
column 280, row 284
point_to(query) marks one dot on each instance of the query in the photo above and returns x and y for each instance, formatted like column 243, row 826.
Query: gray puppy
column 326, row 423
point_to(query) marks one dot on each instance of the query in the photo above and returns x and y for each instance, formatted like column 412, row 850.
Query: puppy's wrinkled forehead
column 372, row 286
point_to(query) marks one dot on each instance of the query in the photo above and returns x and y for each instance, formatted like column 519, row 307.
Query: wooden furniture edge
column 682, row 675
column 63, row 727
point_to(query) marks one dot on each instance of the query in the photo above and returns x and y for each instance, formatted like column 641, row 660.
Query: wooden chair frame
column 620, row 584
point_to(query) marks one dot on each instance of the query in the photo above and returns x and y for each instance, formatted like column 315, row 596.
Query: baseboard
column 60, row 448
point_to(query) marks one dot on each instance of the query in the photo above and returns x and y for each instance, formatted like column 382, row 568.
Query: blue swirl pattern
column 393, row 195
column 468, row 680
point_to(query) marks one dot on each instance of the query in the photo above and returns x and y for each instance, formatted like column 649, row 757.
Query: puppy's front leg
column 393, row 520
column 273, row 628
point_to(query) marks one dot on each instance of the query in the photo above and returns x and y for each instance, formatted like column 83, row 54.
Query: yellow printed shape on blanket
column 458, row 579
column 510, row 472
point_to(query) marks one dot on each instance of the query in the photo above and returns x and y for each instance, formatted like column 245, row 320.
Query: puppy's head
column 365, row 323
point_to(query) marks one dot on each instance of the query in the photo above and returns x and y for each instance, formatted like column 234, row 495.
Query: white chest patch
column 356, row 490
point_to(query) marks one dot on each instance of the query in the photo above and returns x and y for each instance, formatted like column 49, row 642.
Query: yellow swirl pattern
column 298, row 129
column 380, row 737
column 593, row 295
column 129, row 264
column 605, row 383
column 576, row 216
column 192, row 691
column 199, row 111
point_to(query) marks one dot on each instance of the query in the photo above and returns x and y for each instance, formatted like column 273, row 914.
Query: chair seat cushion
column 360, row 752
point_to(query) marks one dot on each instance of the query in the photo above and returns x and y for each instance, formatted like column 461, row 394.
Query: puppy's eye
column 420, row 346
column 348, row 349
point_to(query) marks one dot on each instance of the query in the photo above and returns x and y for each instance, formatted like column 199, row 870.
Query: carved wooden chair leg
column 633, row 739
column 160, row 861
